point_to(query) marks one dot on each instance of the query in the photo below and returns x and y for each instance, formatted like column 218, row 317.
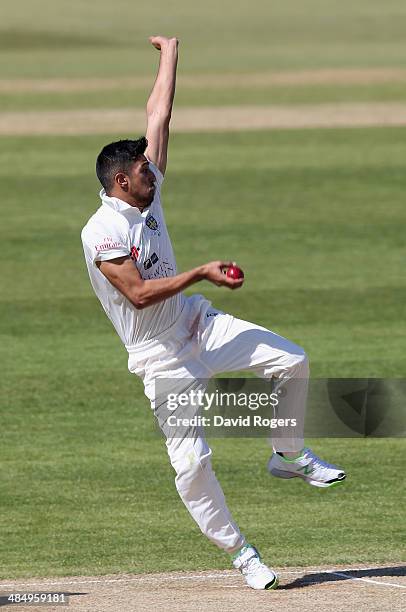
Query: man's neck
column 127, row 199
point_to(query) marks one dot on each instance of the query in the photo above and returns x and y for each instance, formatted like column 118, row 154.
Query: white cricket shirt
column 117, row 229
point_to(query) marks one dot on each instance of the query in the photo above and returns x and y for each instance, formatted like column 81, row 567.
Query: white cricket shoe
column 257, row 574
column 309, row 467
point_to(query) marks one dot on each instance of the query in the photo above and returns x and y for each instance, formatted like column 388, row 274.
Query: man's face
column 141, row 182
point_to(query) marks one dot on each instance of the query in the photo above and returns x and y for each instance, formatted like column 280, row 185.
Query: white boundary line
column 217, row 576
column 391, row 584
column 151, row 577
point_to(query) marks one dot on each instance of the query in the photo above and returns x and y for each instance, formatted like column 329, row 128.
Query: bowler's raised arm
column 160, row 102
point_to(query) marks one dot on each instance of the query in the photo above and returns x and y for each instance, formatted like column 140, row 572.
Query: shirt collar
column 118, row 205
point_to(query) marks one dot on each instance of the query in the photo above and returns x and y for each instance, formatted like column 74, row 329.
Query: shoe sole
column 314, row 483
column 326, row 485
column 272, row 585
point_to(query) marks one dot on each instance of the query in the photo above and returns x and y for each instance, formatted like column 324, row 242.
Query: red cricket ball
column 235, row 272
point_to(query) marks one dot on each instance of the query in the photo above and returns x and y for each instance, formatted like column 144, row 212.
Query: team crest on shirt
column 152, row 223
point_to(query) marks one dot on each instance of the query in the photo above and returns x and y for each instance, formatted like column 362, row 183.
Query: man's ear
column 121, row 180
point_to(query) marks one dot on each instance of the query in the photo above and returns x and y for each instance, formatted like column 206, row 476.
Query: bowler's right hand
column 215, row 272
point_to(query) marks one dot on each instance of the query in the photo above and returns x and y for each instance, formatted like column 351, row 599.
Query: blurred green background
column 81, row 38
column 315, row 217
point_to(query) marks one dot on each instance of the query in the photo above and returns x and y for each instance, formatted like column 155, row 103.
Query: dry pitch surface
column 338, row 589
column 206, row 118
column 202, row 119
column 337, row 76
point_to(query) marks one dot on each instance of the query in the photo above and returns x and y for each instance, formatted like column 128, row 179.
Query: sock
column 234, row 555
column 299, row 454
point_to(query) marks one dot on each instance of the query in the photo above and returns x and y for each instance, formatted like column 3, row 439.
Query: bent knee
column 300, row 362
column 295, row 361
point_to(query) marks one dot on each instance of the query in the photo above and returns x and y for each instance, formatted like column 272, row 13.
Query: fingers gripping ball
column 234, row 272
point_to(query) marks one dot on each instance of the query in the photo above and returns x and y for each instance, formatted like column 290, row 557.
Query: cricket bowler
column 170, row 336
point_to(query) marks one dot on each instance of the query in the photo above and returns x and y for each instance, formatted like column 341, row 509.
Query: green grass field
column 80, row 38
column 316, row 219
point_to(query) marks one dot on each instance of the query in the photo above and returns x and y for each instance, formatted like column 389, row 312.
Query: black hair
column 118, row 157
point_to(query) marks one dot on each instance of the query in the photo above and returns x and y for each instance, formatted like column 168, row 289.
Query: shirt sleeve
column 100, row 245
column 158, row 174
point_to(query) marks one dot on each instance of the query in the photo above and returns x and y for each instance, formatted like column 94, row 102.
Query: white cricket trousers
column 202, row 343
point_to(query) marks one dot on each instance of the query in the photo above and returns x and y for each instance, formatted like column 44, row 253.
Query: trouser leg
column 230, row 344
column 201, row 492
column 195, row 480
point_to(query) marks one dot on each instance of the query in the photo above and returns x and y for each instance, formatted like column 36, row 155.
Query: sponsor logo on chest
column 146, row 250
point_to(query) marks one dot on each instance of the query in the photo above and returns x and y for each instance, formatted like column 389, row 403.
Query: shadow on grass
column 337, row 575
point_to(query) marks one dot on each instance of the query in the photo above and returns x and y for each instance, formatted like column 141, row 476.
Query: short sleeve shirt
column 116, row 230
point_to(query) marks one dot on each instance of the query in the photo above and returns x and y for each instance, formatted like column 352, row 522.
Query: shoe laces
column 316, row 461
column 252, row 564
